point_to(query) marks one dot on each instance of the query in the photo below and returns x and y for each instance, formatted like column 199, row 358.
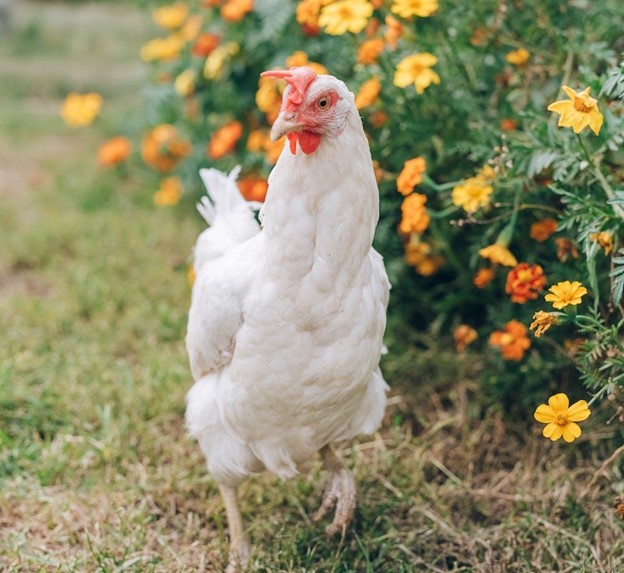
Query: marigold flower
column 464, row 336
column 191, row 28
column 224, row 140
column 508, row 124
column 368, row 93
column 579, row 112
column 169, row 193
column 565, row 293
column 542, row 321
column 619, row 507
column 394, row 30
column 256, row 140
column 345, row 16
column 114, row 151
column 308, row 12
column 236, row 10
column 512, row 340
column 215, row 62
column 604, row 240
column 541, row 230
column 300, row 58
column 560, row 418
column 184, row 84
column 269, row 98
column 566, row 248
column 518, row 57
column 162, row 48
column 369, row 51
column 171, row 17
column 191, row 275
column 525, row 282
column 205, row 44
column 418, row 255
column 411, row 175
column 409, row 8
column 163, row 148
column 483, row 277
column 79, row 110
column 416, row 69
column 499, row 254
column 415, row 218
column 273, row 149
column 379, row 118
column 471, row 194
column 253, row 188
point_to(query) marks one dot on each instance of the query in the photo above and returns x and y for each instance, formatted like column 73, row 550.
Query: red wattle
column 309, row 141
column 292, row 138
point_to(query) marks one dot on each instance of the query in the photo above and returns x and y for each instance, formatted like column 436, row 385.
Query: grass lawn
column 96, row 470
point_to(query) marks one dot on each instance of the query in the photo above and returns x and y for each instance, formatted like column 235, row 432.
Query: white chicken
column 286, row 323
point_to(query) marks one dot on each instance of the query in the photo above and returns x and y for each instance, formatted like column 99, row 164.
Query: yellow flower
column 578, row 112
column 215, row 62
column 409, row 8
column 79, row 110
column 162, row 48
column 542, row 321
column 308, row 13
column 171, row 17
column 345, row 16
column 560, row 418
column 566, row 293
column 518, row 57
column 169, row 193
column 499, row 254
column 184, row 84
column 415, row 218
column 472, row 194
column 369, row 93
column 191, row 29
column 604, row 240
column 416, row 69
column 191, row 275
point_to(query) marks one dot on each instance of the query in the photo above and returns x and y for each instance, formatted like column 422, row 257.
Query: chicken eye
column 323, row 103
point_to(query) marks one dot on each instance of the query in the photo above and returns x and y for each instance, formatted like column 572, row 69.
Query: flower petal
column 578, row 411
column 544, row 414
column 553, row 431
column 559, row 402
column 571, row 431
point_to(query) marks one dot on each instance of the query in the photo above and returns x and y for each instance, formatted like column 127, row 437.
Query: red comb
column 299, row 80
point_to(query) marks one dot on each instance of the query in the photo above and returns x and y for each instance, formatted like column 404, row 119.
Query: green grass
column 96, row 470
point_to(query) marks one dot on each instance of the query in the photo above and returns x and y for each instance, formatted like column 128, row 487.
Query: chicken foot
column 239, row 546
column 340, row 492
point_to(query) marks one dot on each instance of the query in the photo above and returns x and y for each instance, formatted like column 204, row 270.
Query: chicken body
column 286, row 323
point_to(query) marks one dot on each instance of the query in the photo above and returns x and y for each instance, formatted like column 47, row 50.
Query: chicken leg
column 239, row 546
column 340, row 492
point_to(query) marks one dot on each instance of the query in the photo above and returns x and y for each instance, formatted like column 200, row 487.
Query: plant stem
column 607, row 188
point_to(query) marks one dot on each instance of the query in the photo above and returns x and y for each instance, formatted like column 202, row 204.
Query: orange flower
column 525, row 282
column 518, row 57
column 369, row 93
column 394, row 30
column 256, row 140
column 508, row 124
column 114, row 151
column 542, row 321
column 370, row 50
column 236, row 10
column 191, row 275
column 224, row 140
column 300, row 58
column 483, row 277
column 566, row 248
column 464, row 335
column 205, row 44
column 512, row 340
column 162, row 148
column 308, row 12
column 273, row 149
column 604, row 240
column 541, row 230
column 379, row 118
column 418, row 255
column 411, row 175
column 169, row 193
column 253, row 188
column 415, row 217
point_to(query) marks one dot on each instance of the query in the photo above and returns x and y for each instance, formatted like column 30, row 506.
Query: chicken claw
column 339, row 493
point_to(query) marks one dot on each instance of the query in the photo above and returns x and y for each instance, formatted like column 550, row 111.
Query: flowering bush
column 501, row 211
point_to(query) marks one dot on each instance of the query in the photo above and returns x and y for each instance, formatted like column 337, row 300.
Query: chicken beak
column 285, row 123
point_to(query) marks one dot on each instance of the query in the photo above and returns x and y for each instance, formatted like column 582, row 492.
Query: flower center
column 561, row 420
column 580, row 105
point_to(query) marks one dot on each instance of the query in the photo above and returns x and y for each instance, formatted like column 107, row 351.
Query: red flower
column 205, row 44
column 525, row 282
